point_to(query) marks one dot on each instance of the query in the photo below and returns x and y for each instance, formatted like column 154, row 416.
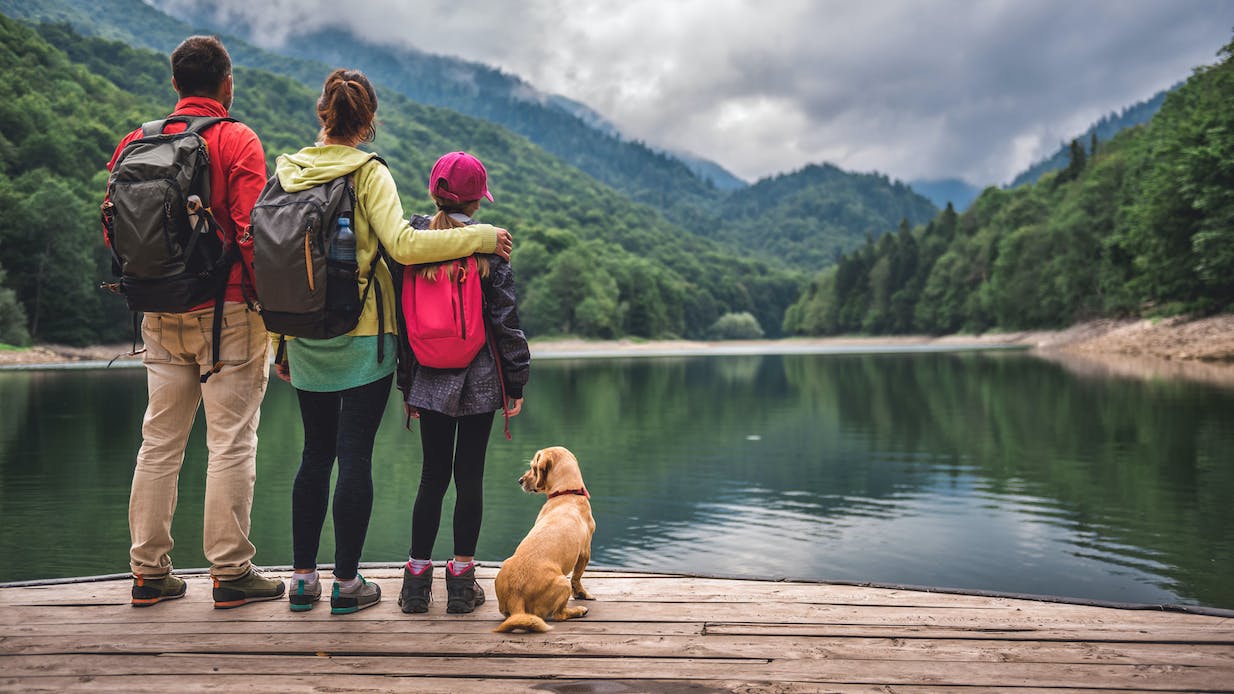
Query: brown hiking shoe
column 251, row 587
column 151, row 591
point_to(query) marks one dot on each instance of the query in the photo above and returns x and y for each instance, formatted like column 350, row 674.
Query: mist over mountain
column 958, row 192
column 1104, row 129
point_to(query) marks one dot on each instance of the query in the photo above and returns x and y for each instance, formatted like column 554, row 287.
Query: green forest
column 590, row 259
column 1141, row 225
column 614, row 239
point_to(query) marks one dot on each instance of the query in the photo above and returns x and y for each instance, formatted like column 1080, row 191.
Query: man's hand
column 516, row 406
column 283, row 371
column 505, row 244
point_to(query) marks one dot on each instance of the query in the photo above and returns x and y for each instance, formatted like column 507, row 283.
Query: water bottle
column 343, row 248
column 342, row 271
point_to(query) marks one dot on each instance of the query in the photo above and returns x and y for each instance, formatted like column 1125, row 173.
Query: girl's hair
column 443, row 220
column 347, row 107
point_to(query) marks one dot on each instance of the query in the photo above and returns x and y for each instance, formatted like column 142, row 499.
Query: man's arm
column 246, row 176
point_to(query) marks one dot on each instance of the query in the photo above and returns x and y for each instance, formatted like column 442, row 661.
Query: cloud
column 943, row 88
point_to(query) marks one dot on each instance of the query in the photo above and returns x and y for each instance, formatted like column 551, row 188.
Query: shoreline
column 1172, row 345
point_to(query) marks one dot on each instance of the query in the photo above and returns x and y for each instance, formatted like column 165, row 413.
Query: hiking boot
column 347, row 601
column 150, row 591
column 463, row 592
column 251, row 587
column 417, row 590
column 303, row 595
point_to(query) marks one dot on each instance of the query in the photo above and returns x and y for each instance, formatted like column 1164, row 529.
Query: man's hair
column 199, row 65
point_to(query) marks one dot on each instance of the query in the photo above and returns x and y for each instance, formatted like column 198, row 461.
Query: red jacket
column 237, row 175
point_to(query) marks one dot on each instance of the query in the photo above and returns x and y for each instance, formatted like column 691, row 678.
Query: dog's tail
column 524, row 621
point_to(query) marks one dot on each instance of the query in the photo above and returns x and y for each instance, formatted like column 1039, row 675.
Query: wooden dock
column 645, row 633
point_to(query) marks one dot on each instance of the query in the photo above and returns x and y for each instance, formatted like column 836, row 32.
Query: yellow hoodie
column 379, row 217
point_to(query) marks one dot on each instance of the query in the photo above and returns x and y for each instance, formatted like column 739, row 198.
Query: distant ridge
column 1106, row 128
column 958, row 192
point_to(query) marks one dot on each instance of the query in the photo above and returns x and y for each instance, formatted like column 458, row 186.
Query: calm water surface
column 993, row 471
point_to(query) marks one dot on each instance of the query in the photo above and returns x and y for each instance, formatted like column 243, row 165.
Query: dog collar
column 580, row 492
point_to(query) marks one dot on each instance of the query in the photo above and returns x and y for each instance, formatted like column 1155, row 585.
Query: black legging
column 441, row 458
column 340, row 424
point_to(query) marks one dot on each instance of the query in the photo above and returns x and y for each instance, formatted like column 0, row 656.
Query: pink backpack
column 445, row 316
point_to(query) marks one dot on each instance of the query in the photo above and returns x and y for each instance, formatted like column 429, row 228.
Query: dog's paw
column 582, row 594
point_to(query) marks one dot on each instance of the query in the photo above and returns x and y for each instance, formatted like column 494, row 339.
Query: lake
column 979, row 470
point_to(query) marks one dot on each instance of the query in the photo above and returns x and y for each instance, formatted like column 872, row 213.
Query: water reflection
column 989, row 471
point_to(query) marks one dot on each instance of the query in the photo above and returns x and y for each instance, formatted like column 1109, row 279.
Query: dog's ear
column 542, row 463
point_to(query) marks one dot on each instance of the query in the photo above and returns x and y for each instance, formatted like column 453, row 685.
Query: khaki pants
column 178, row 351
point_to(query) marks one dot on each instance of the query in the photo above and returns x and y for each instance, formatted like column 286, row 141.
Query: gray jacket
column 477, row 387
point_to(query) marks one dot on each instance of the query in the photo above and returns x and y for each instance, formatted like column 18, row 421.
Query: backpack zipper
column 462, row 314
column 308, row 257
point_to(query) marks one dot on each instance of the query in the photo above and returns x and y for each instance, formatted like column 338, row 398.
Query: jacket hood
column 314, row 166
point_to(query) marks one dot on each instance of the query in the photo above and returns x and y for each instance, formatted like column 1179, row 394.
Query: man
column 179, row 349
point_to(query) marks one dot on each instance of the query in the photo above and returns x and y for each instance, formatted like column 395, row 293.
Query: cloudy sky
column 975, row 89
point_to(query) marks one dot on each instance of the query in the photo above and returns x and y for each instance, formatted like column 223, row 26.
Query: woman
column 342, row 383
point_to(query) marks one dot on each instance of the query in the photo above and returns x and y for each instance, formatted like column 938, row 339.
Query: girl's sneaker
column 463, row 593
column 364, row 595
column 417, row 590
column 303, row 595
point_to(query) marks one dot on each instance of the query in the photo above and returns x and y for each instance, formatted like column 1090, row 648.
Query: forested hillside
column 589, row 260
column 1143, row 226
column 840, row 218
column 817, row 213
column 1102, row 130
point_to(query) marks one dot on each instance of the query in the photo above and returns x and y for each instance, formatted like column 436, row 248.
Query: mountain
column 1142, row 227
column 1104, row 129
column 590, row 261
column 571, row 131
column 808, row 218
column 958, row 192
column 712, row 172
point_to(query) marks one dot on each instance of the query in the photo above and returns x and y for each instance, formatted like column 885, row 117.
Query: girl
column 343, row 383
column 455, row 406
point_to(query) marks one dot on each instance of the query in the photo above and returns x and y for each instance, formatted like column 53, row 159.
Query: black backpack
column 300, row 291
column 166, row 247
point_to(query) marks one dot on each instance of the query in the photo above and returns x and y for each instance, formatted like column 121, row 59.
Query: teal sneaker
column 151, row 591
column 347, row 601
column 251, row 587
column 303, row 595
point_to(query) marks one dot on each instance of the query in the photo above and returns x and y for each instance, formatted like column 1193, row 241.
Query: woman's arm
column 378, row 197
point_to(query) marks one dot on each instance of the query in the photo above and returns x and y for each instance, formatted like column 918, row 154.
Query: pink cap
column 459, row 177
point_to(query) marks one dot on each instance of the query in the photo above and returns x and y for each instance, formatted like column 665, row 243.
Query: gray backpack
column 301, row 291
column 165, row 246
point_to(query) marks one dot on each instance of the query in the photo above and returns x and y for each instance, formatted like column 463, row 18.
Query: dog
column 536, row 583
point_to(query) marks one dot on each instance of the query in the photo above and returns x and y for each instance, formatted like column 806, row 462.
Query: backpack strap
column 372, row 271
column 193, row 124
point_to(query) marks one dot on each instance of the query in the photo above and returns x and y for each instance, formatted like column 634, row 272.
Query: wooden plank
column 1013, row 613
column 410, row 684
column 646, row 646
column 868, row 672
column 616, row 587
column 419, row 624
column 610, row 587
column 635, row 619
